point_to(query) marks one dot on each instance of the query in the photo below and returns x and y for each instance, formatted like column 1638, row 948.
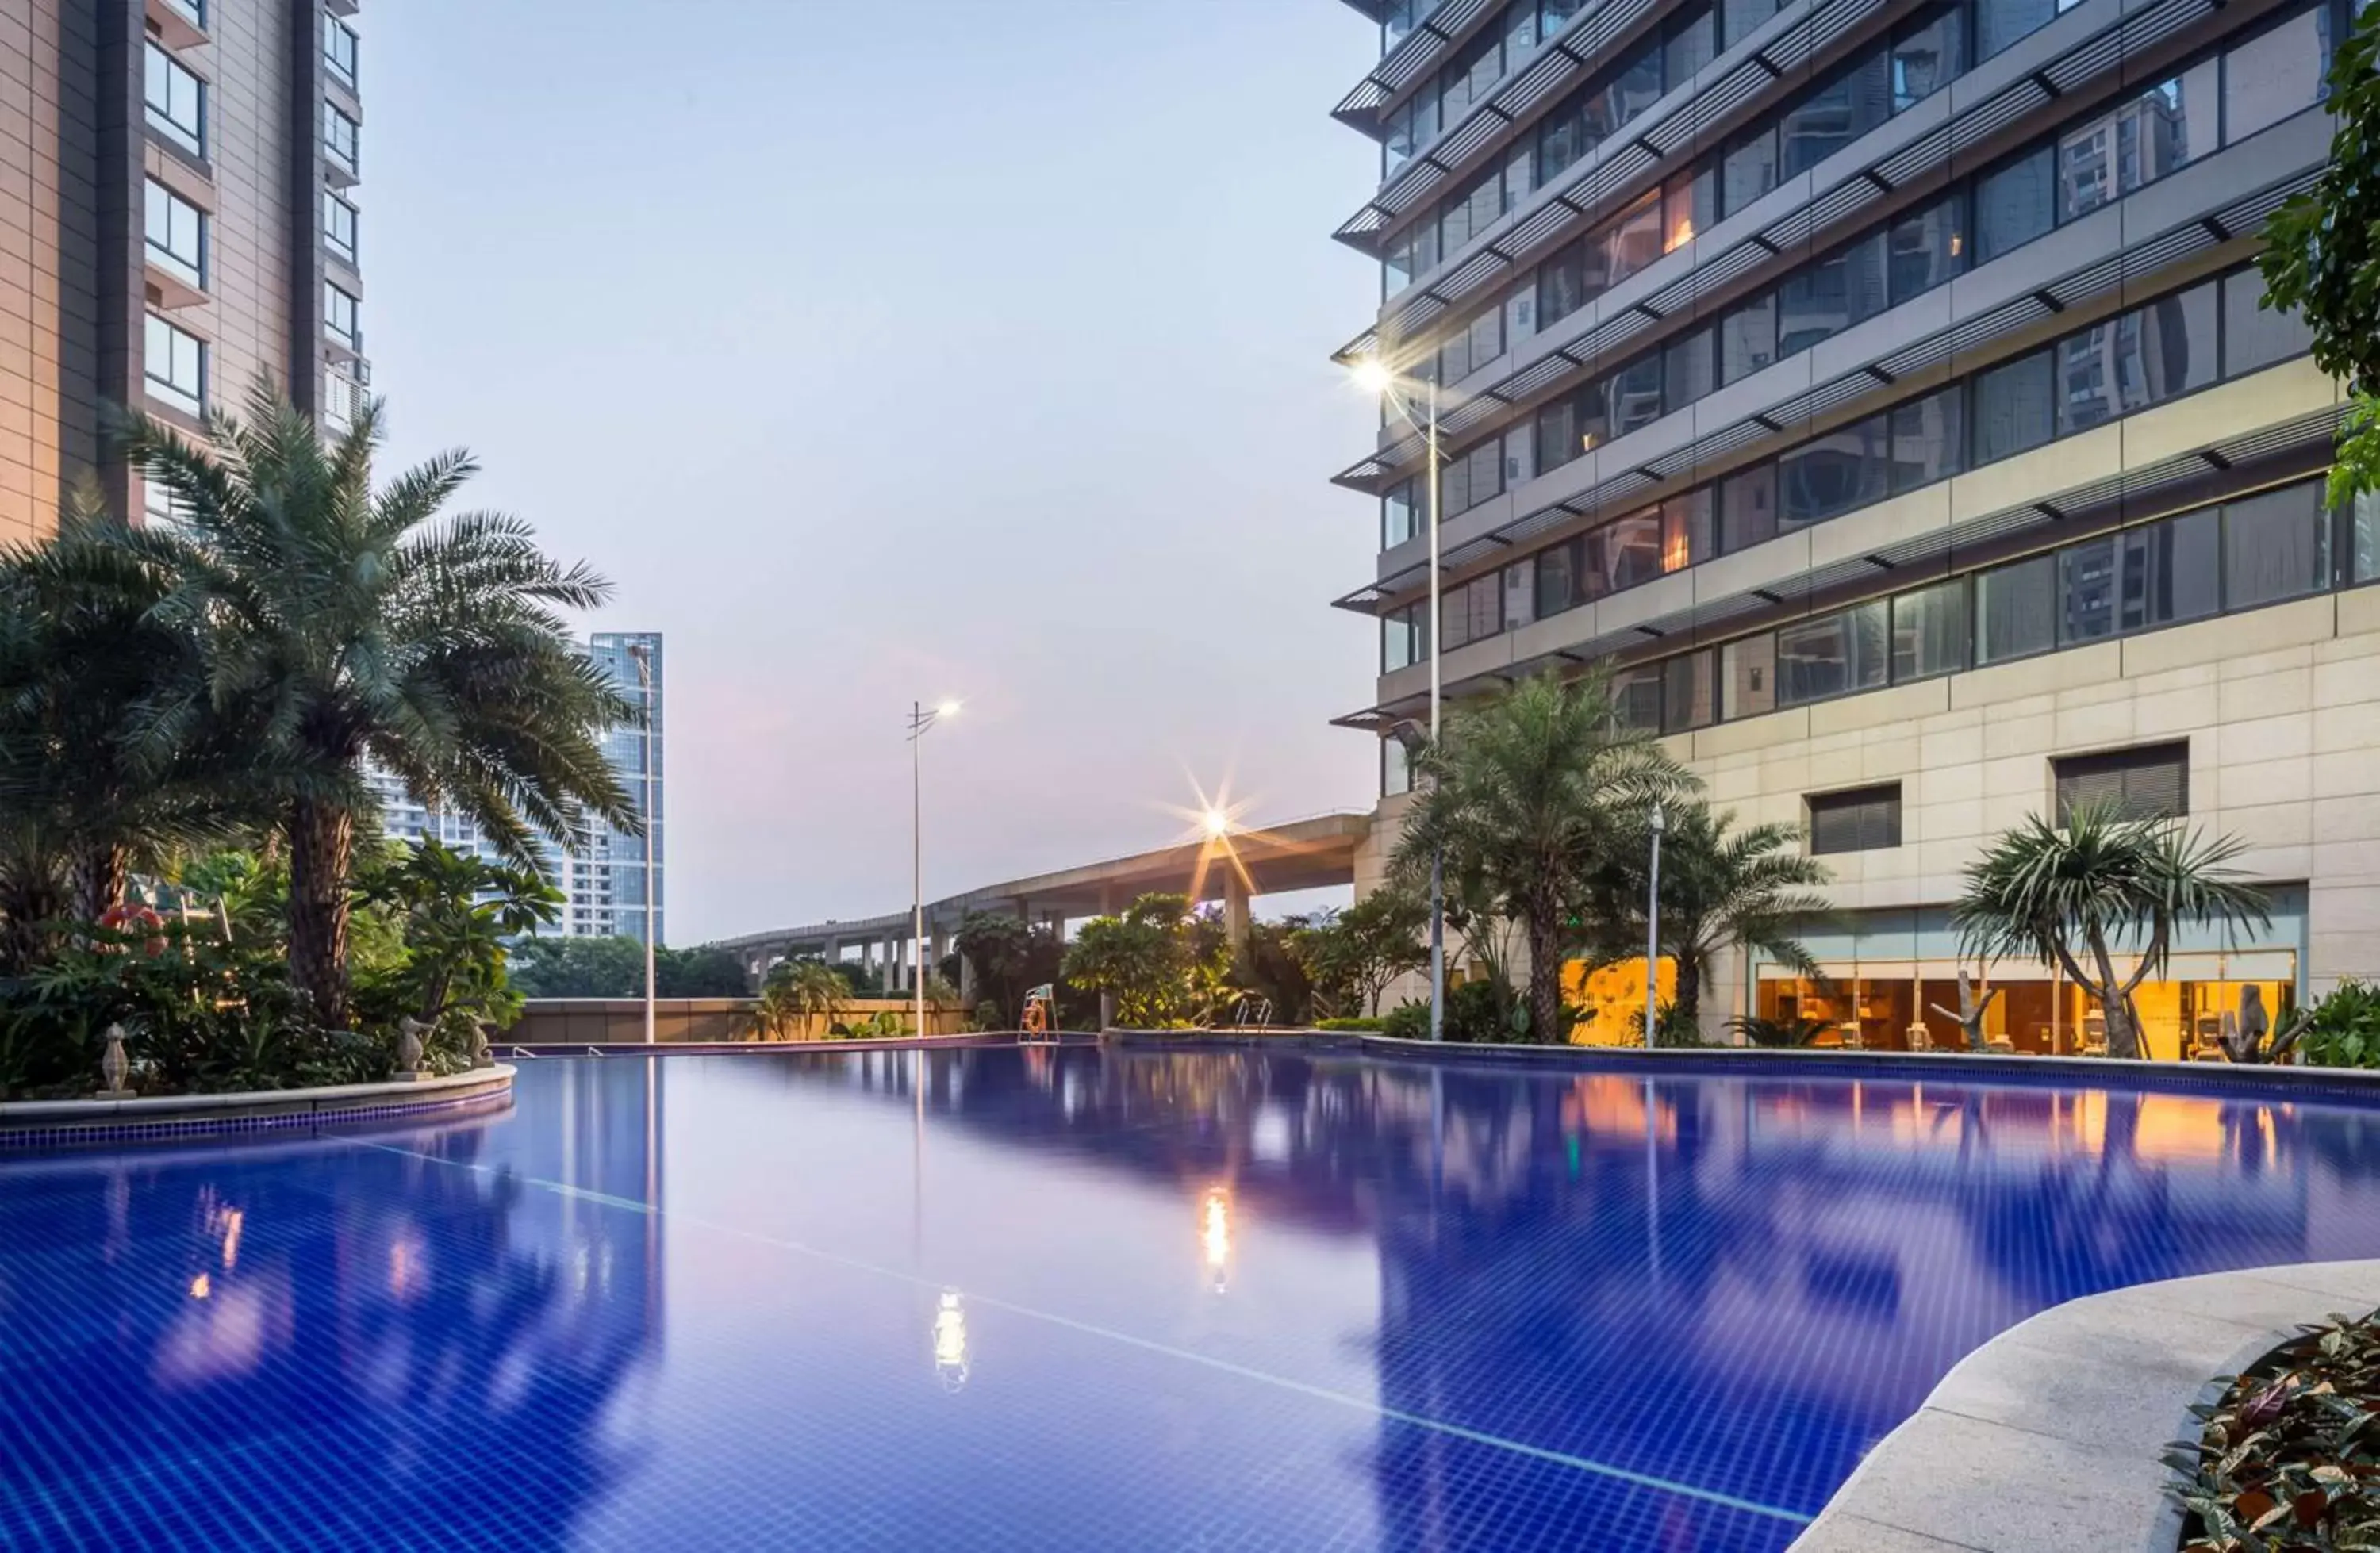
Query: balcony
column 172, row 282
column 177, row 24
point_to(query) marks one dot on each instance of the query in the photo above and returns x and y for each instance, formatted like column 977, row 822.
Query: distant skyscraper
column 602, row 875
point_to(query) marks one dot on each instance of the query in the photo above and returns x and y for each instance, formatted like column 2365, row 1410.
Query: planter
column 40, row 1125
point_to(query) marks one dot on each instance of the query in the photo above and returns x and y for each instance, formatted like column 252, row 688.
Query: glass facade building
column 1888, row 398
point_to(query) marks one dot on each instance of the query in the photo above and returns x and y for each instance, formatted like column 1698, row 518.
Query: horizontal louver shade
column 2150, row 782
column 1865, row 820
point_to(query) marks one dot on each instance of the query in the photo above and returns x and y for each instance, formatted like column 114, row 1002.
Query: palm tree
column 1527, row 795
column 2041, row 890
column 84, row 795
column 1751, row 887
column 343, row 625
column 796, row 992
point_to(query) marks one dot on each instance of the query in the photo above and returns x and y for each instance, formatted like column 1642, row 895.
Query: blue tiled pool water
column 1083, row 1299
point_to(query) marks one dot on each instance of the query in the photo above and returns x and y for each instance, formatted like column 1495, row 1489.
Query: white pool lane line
column 1319, row 1393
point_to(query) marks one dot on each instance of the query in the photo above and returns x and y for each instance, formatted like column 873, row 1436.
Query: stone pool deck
column 2048, row 1437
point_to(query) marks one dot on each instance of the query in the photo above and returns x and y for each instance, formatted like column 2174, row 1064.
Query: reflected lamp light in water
column 1215, row 1235
column 951, row 1341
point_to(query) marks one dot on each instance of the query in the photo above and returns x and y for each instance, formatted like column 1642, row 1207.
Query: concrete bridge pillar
column 1235, row 910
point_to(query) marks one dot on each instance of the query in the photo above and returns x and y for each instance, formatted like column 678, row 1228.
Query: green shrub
column 1366, row 1024
column 1407, row 1021
column 2290, row 1461
column 1757, row 1031
column 2345, row 1032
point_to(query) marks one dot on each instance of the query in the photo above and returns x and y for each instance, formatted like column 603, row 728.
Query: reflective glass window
column 177, row 234
column 1836, row 473
column 1748, row 171
column 1689, row 43
column 1520, row 595
column 177, row 101
column 1833, row 294
column 1747, row 677
column 1852, row 101
column 2363, row 538
column 2254, row 335
column 1929, row 439
column 1689, row 692
column 2015, row 406
column 1747, row 504
column 1636, row 696
column 175, row 363
column 2173, row 570
column 1556, row 589
column 1925, row 54
column 2276, row 74
column 1929, row 631
column 1747, row 338
column 2086, row 591
column 1832, row 655
column 1925, row 249
column 2016, row 609
column 1688, row 529
column 1632, row 550
column 2275, row 546
column 2015, row 203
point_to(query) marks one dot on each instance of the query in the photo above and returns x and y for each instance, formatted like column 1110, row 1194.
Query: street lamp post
column 1653, row 931
column 643, row 654
column 921, row 718
column 1373, row 375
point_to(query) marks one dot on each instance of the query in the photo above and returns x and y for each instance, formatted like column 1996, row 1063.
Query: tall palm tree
column 341, row 626
column 1751, row 887
column 2043, row 892
column 1527, row 795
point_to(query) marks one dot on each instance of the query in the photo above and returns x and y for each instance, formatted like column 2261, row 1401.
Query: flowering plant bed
column 2290, row 1459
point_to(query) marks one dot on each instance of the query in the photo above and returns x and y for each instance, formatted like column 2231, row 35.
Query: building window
column 1929, row 631
column 2016, row 609
column 339, row 50
column 176, row 102
column 2151, row 781
column 342, row 139
column 192, row 11
column 178, row 234
column 158, row 505
column 2277, row 73
column 176, row 364
column 1396, row 767
column 2275, row 546
column 2254, row 335
column 1865, row 820
column 339, row 317
column 339, row 220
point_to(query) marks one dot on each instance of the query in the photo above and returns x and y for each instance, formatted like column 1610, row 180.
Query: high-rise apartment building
column 1882, row 390
column 601, row 872
column 178, row 216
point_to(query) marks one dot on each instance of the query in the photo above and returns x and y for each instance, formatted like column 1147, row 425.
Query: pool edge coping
column 36, row 1125
column 1962, row 1474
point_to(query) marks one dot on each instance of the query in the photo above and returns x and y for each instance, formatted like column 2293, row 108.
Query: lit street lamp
column 1373, row 376
column 1653, row 931
column 921, row 718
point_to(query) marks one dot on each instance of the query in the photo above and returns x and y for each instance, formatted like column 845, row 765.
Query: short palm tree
column 336, row 625
column 1719, row 887
column 2048, row 894
column 1527, row 795
column 796, row 992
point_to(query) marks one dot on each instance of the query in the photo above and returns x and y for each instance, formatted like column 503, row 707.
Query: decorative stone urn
column 115, row 1067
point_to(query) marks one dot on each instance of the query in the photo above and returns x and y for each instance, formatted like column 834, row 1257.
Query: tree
column 1527, row 795
column 797, row 991
column 1359, row 951
column 456, row 911
column 344, row 625
column 1162, row 963
column 1008, row 956
column 1750, row 888
column 594, row 967
column 707, row 971
column 2321, row 256
column 2041, row 893
column 84, row 795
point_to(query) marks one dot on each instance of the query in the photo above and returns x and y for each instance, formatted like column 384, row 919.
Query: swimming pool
column 1249, row 1299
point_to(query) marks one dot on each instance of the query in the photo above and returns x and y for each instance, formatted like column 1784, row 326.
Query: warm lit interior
column 2180, row 1019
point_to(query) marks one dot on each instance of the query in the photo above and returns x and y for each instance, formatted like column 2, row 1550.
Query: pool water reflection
column 1085, row 1299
